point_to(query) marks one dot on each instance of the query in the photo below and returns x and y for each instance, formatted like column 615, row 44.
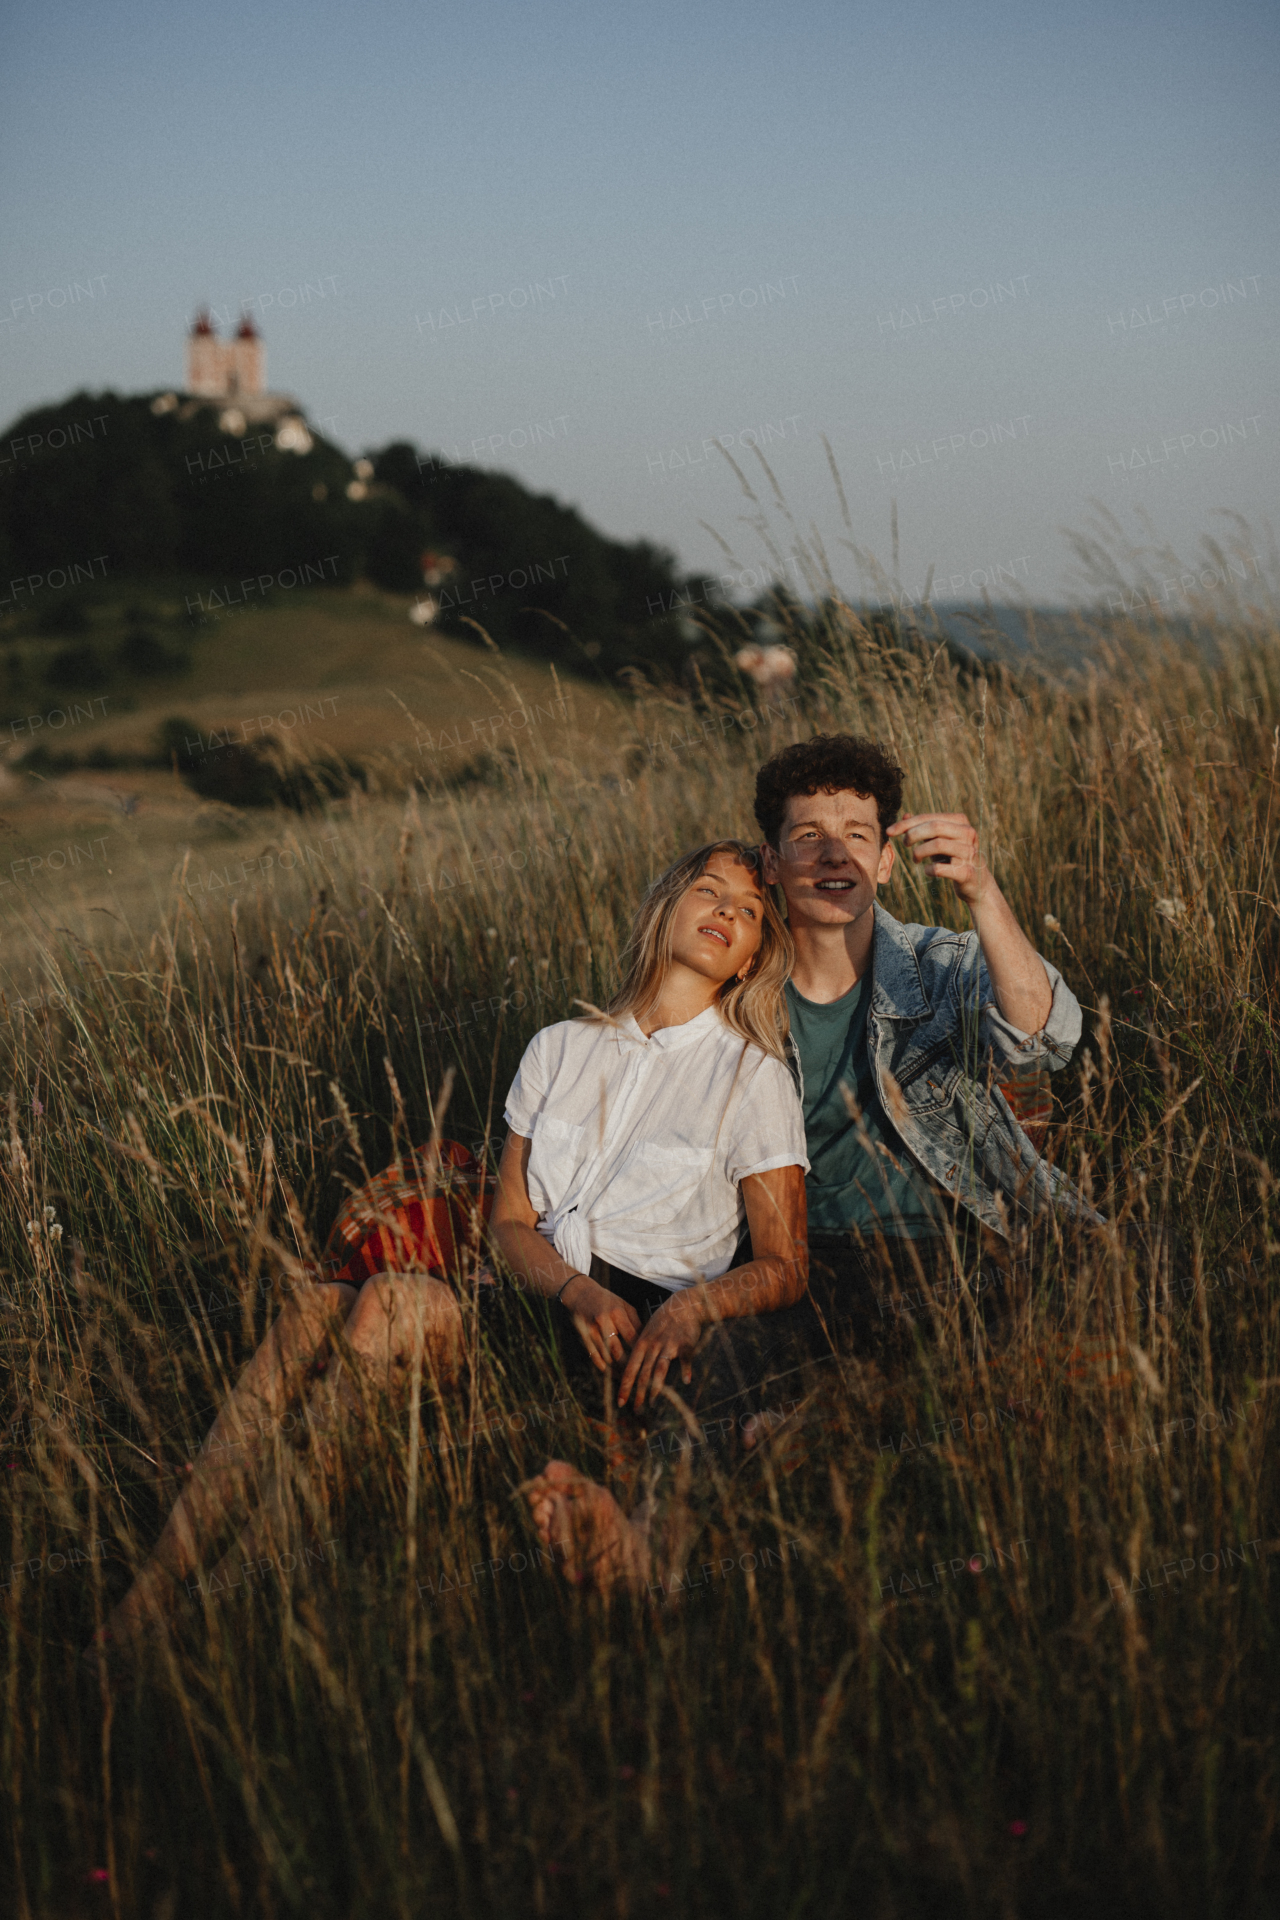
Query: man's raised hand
column 946, row 845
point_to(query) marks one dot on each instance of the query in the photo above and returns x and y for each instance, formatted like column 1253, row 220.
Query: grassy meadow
column 987, row 1622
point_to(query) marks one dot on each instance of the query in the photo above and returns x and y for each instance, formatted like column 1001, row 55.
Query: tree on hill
column 528, row 568
column 157, row 493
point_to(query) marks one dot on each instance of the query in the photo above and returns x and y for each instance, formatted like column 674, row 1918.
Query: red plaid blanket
column 425, row 1214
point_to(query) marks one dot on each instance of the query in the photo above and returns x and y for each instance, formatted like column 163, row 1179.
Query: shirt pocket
column 657, row 1183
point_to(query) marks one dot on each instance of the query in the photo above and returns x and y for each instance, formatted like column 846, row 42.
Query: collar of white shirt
column 671, row 1039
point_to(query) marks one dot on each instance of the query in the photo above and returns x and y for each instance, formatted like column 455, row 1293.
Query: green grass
column 194, row 1093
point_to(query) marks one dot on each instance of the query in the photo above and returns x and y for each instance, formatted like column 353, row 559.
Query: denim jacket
column 938, row 1045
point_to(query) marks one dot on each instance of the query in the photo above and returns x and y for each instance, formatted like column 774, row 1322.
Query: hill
column 108, row 488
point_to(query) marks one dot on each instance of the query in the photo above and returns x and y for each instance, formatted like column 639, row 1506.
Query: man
column 902, row 1034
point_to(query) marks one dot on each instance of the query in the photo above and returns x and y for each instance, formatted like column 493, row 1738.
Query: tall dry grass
column 840, row 1716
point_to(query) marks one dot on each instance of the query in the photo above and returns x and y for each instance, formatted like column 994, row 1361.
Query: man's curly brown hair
column 828, row 763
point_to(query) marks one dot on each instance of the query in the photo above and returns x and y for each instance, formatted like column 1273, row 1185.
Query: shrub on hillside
column 140, row 653
column 256, row 774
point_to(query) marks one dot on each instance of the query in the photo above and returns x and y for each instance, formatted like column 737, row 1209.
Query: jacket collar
column 897, row 988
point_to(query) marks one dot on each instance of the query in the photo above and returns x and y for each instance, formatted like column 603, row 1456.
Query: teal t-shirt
column 853, row 1182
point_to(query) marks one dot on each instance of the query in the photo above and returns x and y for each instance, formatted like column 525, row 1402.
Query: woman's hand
column 671, row 1334
column 607, row 1324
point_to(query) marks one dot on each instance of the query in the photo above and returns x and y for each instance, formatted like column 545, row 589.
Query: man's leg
column 753, row 1374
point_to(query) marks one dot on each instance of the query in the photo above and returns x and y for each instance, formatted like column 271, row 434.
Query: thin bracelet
column 569, row 1282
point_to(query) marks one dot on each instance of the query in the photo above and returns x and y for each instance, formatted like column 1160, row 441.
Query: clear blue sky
column 846, row 165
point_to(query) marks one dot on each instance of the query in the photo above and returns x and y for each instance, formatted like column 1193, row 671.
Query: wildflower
column 55, row 1231
column 491, row 933
column 1017, row 1828
column 975, row 1563
column 31, row 1229
column 1054, row 926
column 51, row 1213
column 1171, row 909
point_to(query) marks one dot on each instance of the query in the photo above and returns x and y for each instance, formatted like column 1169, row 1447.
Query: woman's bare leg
column 395, row 1316
column 234, row 1448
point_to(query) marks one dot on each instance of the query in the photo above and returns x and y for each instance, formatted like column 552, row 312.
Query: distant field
column 344, row 670
column 355, row 644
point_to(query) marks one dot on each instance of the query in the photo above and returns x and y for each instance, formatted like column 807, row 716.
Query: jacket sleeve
column 976, row 1012
column 1056, row 1041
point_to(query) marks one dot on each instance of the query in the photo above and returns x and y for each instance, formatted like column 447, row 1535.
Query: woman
column 641, row 1141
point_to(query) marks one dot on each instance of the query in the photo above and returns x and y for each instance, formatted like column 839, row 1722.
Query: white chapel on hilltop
column 226, row 369
column 231, row 375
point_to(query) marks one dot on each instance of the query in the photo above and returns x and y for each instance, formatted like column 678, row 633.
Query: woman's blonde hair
column 755, row 1007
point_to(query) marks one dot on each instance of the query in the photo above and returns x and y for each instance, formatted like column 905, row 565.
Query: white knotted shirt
column 640, row 1145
